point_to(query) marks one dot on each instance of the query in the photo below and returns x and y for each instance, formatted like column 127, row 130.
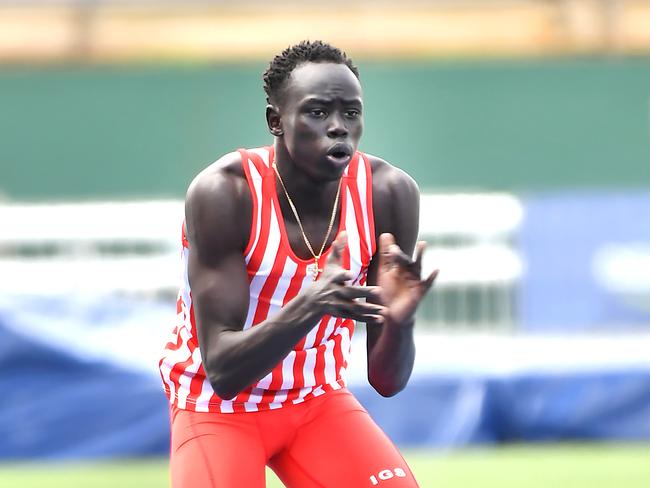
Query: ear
column 274, row 121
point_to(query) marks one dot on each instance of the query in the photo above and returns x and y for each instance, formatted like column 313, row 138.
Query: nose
column 337, row 127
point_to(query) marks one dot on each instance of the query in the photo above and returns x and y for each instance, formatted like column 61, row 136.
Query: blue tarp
column 57, row 406
column 60, row 404
column 562, row 240
column 461, row 410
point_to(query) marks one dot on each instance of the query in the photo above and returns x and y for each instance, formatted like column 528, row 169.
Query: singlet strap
column 256, row 164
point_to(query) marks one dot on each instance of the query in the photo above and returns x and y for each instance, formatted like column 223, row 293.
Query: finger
column 416, row 265
column 427, row 283
column 385, row 241
column 352, row 292
column 374, row 321
column 350, row 304
column 341, row 276
column 355, row 313
column 397, row 256
column 338, row 246
column 338, row 301
column 419, row 252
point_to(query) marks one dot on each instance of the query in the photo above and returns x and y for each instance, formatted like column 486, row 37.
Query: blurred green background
column 133, row 130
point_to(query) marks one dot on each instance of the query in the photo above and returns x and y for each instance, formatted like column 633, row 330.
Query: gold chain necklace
column 312, row 268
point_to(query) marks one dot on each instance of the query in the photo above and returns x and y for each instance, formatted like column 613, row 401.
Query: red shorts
column 329, row 441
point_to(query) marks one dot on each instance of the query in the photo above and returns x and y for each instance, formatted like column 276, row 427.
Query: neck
column 311, row 196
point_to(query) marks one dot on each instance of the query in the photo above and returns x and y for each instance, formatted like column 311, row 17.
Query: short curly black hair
column 305, row 51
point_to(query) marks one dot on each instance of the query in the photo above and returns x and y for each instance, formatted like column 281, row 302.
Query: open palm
column 399, row 279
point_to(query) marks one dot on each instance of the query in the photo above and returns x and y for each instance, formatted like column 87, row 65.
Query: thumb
column 338, row 246
column 385, row 241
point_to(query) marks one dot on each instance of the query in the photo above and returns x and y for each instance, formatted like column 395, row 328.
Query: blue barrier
column 562, row 241
column 459, row 410
column 58, row 405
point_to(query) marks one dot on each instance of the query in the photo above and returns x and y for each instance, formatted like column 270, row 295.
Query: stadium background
column 527, row 125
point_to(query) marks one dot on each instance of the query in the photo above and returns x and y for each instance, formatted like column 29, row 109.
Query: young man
column 280, row 244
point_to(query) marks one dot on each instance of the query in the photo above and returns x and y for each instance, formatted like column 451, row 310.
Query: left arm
column 391, row 348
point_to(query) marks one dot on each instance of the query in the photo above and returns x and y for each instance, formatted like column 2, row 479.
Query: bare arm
column 391, row 348
column 217, row 232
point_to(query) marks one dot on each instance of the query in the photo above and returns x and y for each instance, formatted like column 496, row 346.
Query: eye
column 317, row 112
column 353, row 113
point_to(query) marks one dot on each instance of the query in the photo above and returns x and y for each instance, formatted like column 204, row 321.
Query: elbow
column 223, row 388
column 222, row 383
column 385, row 388
column 225, row 392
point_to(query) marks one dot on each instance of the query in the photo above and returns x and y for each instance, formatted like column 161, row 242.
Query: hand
column 399, row 279
column 333, row 296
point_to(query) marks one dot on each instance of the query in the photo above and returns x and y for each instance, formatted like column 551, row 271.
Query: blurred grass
column 557, row 465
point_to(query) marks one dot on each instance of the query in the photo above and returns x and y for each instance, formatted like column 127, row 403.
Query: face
column 320, row 118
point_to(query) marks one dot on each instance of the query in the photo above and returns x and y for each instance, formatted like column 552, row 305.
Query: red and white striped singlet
column 317, row 363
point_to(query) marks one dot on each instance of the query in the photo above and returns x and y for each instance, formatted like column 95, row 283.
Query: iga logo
column 386, row 474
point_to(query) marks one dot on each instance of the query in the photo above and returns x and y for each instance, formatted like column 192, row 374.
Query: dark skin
column 316, row 123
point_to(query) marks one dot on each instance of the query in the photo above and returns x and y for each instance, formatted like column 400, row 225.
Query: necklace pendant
column 314, row 270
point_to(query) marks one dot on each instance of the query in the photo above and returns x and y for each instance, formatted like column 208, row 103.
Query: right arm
column 217, row 232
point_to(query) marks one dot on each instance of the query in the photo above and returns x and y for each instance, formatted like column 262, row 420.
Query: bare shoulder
column 218, row 204
column 225, row 174
column 391, row 183
column 395, row 202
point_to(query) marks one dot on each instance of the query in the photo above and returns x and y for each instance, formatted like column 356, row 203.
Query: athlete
column 285, row 247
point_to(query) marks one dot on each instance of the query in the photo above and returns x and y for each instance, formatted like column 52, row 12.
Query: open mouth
column 340, row 152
